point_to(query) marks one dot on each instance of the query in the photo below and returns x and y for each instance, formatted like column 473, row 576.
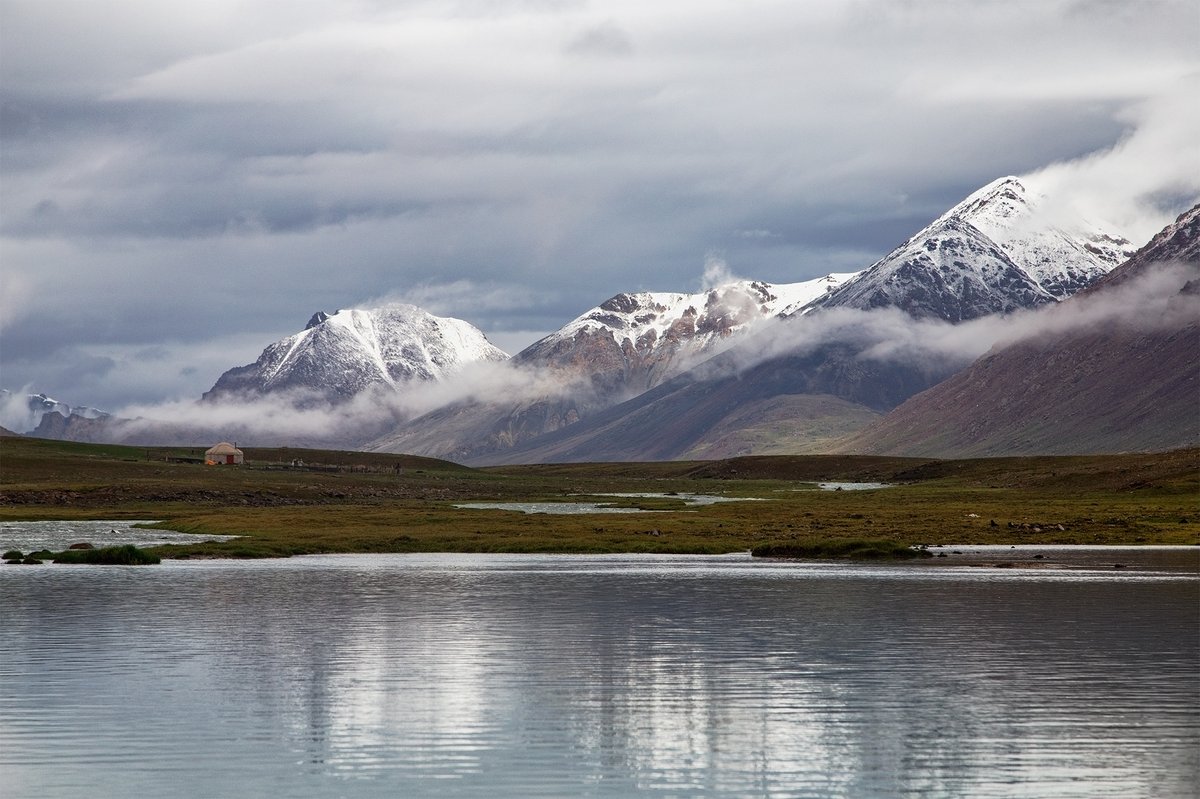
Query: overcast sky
column 183, row 183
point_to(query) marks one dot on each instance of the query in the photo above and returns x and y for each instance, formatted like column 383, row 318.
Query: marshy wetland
column 343, row 502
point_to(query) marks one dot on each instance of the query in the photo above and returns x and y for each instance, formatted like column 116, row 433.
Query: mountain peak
column 995, row 251
column 338, row 355
column 1006, row 198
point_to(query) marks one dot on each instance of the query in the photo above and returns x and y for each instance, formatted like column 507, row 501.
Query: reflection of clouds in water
column 514, row 676
column 411, row 698
column 675, row 727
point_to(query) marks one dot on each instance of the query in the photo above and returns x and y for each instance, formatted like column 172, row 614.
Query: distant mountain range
column 745, row 367
column 652, row 395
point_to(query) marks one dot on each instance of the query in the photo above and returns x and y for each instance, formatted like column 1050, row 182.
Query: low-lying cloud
column 1151, row 302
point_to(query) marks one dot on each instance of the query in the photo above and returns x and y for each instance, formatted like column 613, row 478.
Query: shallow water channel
column 520, row 675
column 569, row 508
column 58, row 535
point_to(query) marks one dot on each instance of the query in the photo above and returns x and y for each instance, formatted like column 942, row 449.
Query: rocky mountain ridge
column 997, row 251
column 635, row 341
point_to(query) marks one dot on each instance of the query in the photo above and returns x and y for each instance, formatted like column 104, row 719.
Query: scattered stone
column 1038, row 557
column 81, row 545
column 1118, row 565
column 993, row 523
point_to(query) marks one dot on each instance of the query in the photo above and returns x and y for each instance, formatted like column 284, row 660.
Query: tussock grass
column 127, row 555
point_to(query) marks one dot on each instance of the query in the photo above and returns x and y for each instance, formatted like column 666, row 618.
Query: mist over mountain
column 651, row 394
column 25, row 412
column 1115, row 369
column 797, row 402
column 633, row 342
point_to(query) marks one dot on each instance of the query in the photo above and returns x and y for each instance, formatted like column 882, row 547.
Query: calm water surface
column 460, row 675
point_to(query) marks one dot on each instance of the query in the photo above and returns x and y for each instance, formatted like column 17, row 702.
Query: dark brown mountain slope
column 1117, row 369
column 719, row 409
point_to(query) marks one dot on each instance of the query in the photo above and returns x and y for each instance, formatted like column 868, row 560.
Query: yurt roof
column 224, row 448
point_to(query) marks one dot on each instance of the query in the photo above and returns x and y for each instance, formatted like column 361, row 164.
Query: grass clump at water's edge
column 127, row 555
column 849, row 549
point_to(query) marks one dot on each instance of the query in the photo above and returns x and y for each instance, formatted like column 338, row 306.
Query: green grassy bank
column 367, row 502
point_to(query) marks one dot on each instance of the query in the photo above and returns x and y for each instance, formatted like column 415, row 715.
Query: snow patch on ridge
column 714, row 313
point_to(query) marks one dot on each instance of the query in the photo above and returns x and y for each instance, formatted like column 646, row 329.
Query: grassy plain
column 368, row 502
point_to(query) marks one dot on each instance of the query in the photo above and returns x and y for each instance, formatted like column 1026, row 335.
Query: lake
column 549, row 676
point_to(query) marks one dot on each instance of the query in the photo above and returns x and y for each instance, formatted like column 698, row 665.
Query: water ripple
column 474, row 676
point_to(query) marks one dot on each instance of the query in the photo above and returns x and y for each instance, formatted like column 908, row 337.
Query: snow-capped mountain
column 338, row 355
column 994, row 252
column 636, row 341
column 1114, row 375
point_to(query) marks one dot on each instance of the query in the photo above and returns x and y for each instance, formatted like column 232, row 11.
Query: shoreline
column 1048, row 555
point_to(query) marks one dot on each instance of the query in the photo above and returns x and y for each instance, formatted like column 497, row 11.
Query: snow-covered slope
column 635, row 341
column 337, row 356
column 994, row 252
column 1062, row 256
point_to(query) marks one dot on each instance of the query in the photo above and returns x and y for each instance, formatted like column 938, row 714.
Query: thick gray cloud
column 202, row 177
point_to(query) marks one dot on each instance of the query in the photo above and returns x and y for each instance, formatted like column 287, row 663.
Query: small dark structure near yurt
column 222, row 454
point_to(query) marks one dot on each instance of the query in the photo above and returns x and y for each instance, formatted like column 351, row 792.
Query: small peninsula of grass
column 844, row 549
column 127, row 555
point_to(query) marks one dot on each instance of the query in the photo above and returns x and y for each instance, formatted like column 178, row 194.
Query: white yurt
column 223, row 453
